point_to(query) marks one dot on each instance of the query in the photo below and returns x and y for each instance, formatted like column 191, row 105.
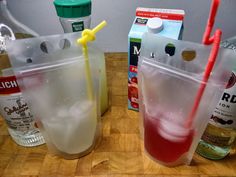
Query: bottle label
column 210, row 151
column 216, row 140
column 78, row 26
column 8, row 85
column 13, row 107
column 224, row 115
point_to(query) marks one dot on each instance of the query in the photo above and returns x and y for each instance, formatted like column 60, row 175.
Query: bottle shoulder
column 8, row 19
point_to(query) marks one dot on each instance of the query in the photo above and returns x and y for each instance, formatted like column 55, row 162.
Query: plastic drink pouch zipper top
column 168, row 86
column 176, row 119
column 53, row 78
column 180, row 86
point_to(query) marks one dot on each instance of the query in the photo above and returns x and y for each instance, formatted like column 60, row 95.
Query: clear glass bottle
column 219, row 137
column 13, row 108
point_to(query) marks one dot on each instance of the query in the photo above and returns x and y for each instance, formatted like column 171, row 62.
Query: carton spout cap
column 155, row 25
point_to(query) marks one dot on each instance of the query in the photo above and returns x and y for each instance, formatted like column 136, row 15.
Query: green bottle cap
column 73, row 8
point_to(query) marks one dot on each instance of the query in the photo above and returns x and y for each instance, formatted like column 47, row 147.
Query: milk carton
column 172, row 27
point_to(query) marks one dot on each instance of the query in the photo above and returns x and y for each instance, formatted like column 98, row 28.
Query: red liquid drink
column 161, row 148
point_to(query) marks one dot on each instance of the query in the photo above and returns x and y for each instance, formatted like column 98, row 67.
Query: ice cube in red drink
column 161, row 148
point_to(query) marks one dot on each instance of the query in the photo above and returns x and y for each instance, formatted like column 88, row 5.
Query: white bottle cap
column 155, row 25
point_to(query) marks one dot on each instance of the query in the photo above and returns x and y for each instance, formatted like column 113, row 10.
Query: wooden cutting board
column 120, row 152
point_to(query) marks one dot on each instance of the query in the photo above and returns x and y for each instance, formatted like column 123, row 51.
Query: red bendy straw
column 207, row 40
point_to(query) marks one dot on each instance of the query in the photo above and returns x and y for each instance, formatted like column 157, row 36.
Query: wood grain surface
column 120, row 152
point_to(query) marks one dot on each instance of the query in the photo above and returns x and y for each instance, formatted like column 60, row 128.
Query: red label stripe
column 8, row 85
column 168, row 16
column 133, row 69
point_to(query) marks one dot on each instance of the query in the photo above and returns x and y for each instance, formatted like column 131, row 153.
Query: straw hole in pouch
column 46, row 47
column 29, row 60
column 64, row 44
column 188, row 54
column 170, row 49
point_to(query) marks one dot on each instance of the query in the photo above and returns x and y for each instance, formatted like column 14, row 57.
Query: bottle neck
column 10, row 21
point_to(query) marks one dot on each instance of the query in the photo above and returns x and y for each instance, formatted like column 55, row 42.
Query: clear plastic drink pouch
column 51, row 74
column 170, row 74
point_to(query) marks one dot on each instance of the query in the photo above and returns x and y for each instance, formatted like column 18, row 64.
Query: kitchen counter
column 120, row 152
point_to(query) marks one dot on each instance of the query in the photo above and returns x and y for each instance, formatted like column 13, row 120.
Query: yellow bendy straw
column 86, row 36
